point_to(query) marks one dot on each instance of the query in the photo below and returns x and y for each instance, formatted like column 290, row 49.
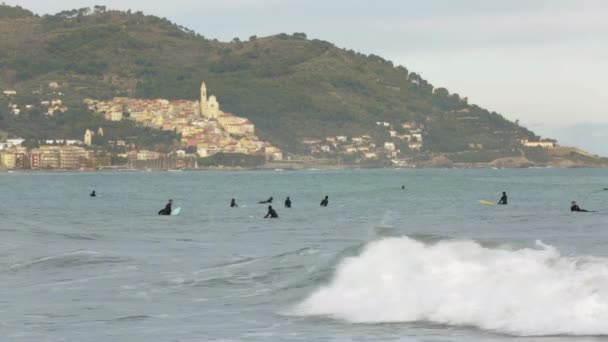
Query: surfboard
column 176, row 211
column 486, row 202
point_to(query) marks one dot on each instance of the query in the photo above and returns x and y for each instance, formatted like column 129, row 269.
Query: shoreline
column 309, row 168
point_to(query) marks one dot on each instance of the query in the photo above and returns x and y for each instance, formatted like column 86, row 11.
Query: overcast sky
column 544, row 62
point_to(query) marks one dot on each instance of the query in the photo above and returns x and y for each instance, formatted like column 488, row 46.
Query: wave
column 67, row 260
column 524, row 292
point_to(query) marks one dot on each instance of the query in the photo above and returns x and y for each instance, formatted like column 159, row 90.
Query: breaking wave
column 525, row 292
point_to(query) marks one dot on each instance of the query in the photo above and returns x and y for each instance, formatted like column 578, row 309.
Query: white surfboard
column 176, row 211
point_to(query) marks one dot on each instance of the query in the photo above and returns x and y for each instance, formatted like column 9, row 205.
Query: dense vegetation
column 291, row 87
column 13, row 12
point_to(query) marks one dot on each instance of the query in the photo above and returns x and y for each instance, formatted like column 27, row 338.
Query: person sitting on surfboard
column 93, row 194
column 287, row 202
column 167, row 209
column 575, row 207
column 233, row 204
column 325, row 201
column 266, row 201
column 271, row 213
column 503, row 199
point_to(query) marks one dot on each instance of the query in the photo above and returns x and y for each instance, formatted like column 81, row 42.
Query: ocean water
column 428, row 263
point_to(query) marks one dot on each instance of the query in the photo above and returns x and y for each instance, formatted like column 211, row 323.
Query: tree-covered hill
column 291, row 87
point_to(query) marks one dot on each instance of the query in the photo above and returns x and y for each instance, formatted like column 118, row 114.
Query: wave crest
column 526, row 292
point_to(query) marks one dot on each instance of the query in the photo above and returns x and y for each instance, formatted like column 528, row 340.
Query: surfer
column 233, row 203
column 93, row 194
column 325, row 201
column 575, row 207
column 266, row 201
column 403, row 187
column 287, row 202
column 167, row 209
column 503, row 199
column 271, row 213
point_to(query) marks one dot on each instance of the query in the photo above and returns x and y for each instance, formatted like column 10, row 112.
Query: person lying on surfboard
column 503, row 199
column 575, row 207
column 167, row 209
column 266, row 201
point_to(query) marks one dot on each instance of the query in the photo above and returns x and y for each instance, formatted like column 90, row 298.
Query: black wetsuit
column 287, row 203
column 271, row 214
column 93, row 194
column 233, row 204
column 266, row 201
column 325, row 202
column 575, row 207
column 503, row 200
column 166, row 211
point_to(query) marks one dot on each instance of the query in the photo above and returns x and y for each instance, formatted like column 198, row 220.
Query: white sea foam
column 520, row 292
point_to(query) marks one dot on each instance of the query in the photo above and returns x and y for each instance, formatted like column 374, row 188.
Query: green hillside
column 291, row 87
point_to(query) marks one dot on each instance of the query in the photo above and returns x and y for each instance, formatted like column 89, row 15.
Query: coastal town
column 201, row 124
column 204, row 130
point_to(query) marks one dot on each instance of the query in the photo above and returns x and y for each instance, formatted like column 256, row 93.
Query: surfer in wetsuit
column 287, row 202
column 503, row 199
column 266, row 201
column 167, row 209
column 271, row 213
column 93, row 194
column 325, row 201
column 575, row 207
column 233, row 203
column 403, row 187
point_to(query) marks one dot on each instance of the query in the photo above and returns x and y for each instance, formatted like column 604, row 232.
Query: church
column 209, row 107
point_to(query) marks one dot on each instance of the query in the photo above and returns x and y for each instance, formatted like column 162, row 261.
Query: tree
column 99, row 9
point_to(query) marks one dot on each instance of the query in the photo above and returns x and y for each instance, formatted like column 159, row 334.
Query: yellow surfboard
column 486, row 202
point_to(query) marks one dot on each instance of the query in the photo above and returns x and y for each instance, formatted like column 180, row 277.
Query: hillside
column 289, row 86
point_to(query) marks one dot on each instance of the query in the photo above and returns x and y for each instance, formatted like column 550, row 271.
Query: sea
column 380, row 263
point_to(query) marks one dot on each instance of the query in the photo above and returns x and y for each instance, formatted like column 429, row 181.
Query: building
column 203, row 99
column 71, row 157
column 22, row 161
column 389, row 146
column 49, row 157
column 115, row 115
column 544, row 143
column 209, row 106
column 273, row 153
column 14, row 142
column 147, row 155
column 8, row 160
column 414, row 145
column 88, row 137
column 35, row 160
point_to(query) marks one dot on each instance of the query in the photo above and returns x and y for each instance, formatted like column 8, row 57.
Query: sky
column 543, row 62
